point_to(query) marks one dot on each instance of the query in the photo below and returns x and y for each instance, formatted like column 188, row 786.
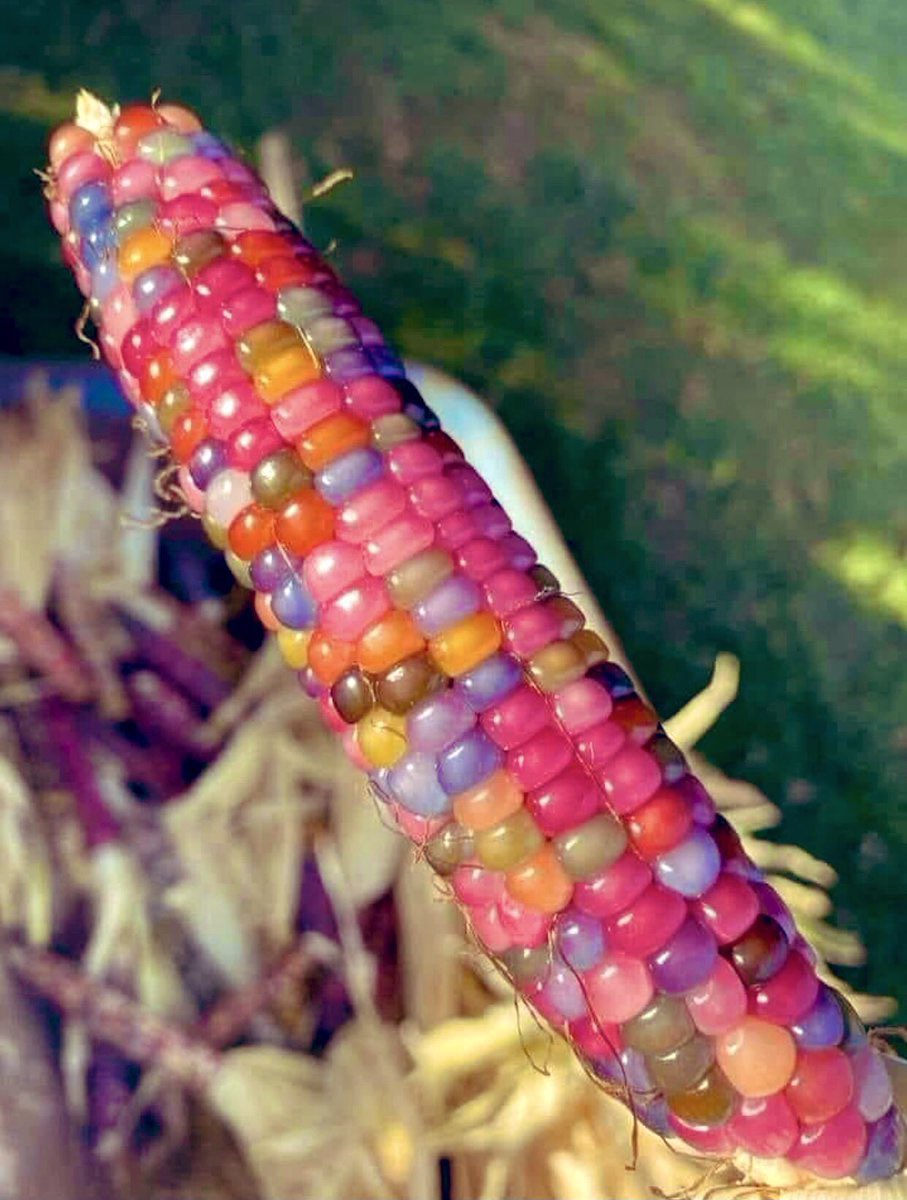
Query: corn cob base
column 588, row 860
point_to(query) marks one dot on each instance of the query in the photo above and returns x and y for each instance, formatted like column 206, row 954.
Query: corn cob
column 588, row 860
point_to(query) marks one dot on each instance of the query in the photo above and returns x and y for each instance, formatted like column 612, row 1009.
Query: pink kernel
column 417, row 828
column 215, row 374
column 351, row 612
column 400, row 539
column 618, row 988
column 331, row 716
column 596, row 1039
column 821, row 1085
column 629, row 779
column 518, row 551
column 456, row 529
column 531, row 629
column 186, row 174
column 369, row 510
column 480, row 557
column 516, row 718
column 715, row 1139
column 526, row 926
column 474, row 885
column 435, row 497
column 305, row 406
column 138, row 345
column 371, row 397
column 833, row 1149
column 196, row 339
column 472, row 486
column 615, row 888
column 194, row 495
column 788, row 994
column 248, row 445
column 222, row 278
column 728, row 908
column 764, row 1125
column 412, row 461
column 540, row 758
column 491, row 520
column 79, row 169
column 356, row 757
column 237, row 218
column 186, row 214
column 508, row 590
column 134, row 180
column 567, row 800
column 648, row 923
column 489, row 929
column 247, row 308
column 331, row 568
column 598, row 745
column 172, row 311
column 719, row 1002
column 582, row 704
column 118, row 313
column 234, row 407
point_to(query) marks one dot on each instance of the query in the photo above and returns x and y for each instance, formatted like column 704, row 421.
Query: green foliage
column 666, row 238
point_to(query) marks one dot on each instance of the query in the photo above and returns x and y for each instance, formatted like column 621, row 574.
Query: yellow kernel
column 294, row 646
column 381, row 736
column 467, row 643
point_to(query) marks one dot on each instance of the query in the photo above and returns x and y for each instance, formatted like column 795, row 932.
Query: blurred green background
column 666, row 238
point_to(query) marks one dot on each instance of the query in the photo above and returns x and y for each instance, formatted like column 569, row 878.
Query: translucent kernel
column 353, row 695
column 757, row 1057
column 663, row 1025
column 709, row 1102
column 509, row 843
column 464, row 645
column 262, row 341
column 489, row 802
column 294, row 646
column 381, row 736
column 680, row 1069
column 591, row 847
column 556, row 665
column 391, row 639
column 418, row 576
column 147, row 247
column 541, row 883
column 288, row 368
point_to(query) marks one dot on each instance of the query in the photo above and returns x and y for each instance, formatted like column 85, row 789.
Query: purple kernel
column 439, row 720
column 293, row 604
column 270, row 568
column 347, row 474
column 685, row 961
column 614, row 679
column 209, row 458
column 580, row 939
column 490, row 681
column 413, row 783
column 467, row 762
column 822, row 1025
column 453, row 600
column 152, row 285
column 884, row 1154
column 563, row 991
column 691, row 867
